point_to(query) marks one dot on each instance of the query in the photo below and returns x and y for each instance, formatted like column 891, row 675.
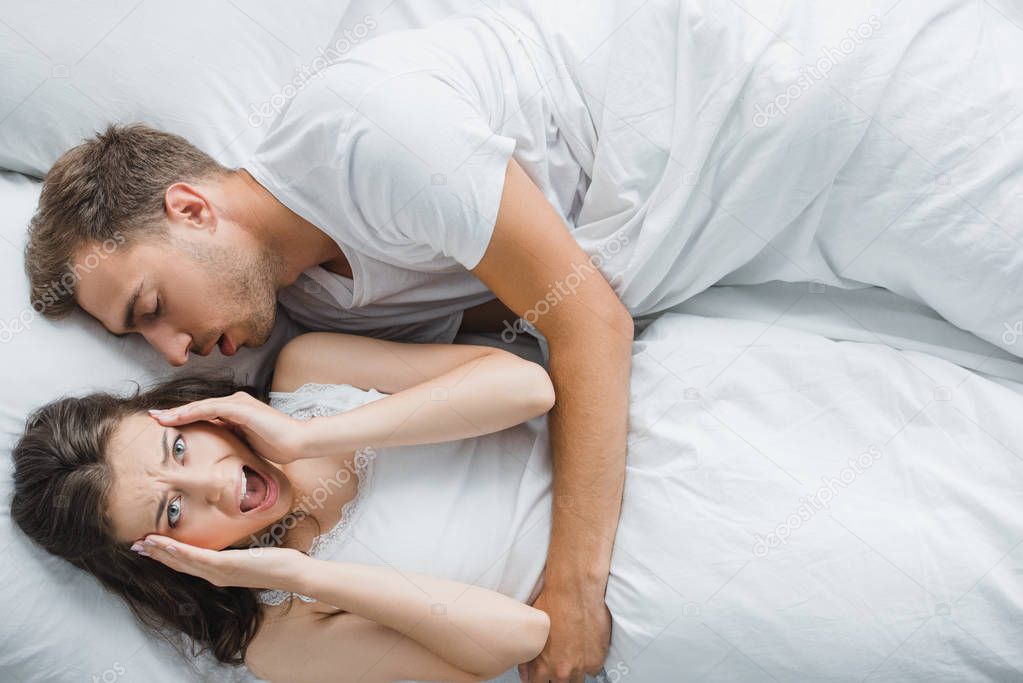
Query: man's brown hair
column 108, row 192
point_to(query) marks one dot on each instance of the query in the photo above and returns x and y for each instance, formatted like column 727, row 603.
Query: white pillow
column 215, row 73
column 59, row 624
column 198, row 69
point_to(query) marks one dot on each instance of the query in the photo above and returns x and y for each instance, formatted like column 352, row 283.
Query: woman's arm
column 301, row 644
column 475, row 630
column 439, row 392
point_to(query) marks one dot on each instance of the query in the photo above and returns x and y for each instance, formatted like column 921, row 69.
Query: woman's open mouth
column 258, row 492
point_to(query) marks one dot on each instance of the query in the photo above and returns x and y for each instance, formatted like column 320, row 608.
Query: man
column 203, row 252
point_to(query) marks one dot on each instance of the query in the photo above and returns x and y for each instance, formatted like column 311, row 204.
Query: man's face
column 186, row 293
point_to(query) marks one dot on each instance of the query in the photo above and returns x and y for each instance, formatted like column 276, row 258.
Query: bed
column 61, row 626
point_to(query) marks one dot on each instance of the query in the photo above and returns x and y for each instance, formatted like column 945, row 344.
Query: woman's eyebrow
column 166, row 456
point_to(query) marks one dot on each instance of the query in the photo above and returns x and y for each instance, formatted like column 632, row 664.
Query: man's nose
column 173, row 345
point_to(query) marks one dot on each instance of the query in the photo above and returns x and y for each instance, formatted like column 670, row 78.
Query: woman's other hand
column 270, row 433
column 248, row 568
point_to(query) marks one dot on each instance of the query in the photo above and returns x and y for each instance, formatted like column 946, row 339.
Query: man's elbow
column 621, row 321
column 614, row 323
column 579, row 325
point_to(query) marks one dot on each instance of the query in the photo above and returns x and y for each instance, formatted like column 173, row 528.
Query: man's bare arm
column 538, row 270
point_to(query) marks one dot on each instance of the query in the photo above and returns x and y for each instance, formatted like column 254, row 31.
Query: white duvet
column 872, row 142
column 802, row 509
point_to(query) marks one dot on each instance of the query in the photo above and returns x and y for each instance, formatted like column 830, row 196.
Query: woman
column 117, row 481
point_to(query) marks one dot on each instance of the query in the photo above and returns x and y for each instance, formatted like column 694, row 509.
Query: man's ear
column 186, row 205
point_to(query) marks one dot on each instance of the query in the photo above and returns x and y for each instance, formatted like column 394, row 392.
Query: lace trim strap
column 331, row 539
column 299, row 405
column 291, row 401
column 276, row 597
column 335, row 536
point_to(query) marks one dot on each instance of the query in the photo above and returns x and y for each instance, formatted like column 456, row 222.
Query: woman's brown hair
column 61, row 486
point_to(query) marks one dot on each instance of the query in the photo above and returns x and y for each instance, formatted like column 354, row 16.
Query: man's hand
column 578, row 641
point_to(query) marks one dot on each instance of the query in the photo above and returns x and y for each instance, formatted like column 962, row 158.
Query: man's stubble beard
column 245, row 284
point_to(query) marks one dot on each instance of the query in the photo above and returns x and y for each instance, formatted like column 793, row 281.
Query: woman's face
column 199, row 484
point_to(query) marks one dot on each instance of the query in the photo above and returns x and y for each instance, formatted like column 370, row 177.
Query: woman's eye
column 179, row 448
column 174, row 512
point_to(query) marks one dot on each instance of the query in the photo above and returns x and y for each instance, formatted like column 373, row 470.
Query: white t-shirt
column 399, row 153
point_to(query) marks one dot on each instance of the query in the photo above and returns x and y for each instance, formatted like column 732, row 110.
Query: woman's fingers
column 178, row 556
column 220, row 422
column 233, row 408
column 207, row 409
column 164, row 551
column 193, row 412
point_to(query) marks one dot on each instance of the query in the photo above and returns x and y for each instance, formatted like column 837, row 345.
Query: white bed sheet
column 871, row 314
column 801, row 509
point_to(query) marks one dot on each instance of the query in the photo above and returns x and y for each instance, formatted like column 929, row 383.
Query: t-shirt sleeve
column 426, row 172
